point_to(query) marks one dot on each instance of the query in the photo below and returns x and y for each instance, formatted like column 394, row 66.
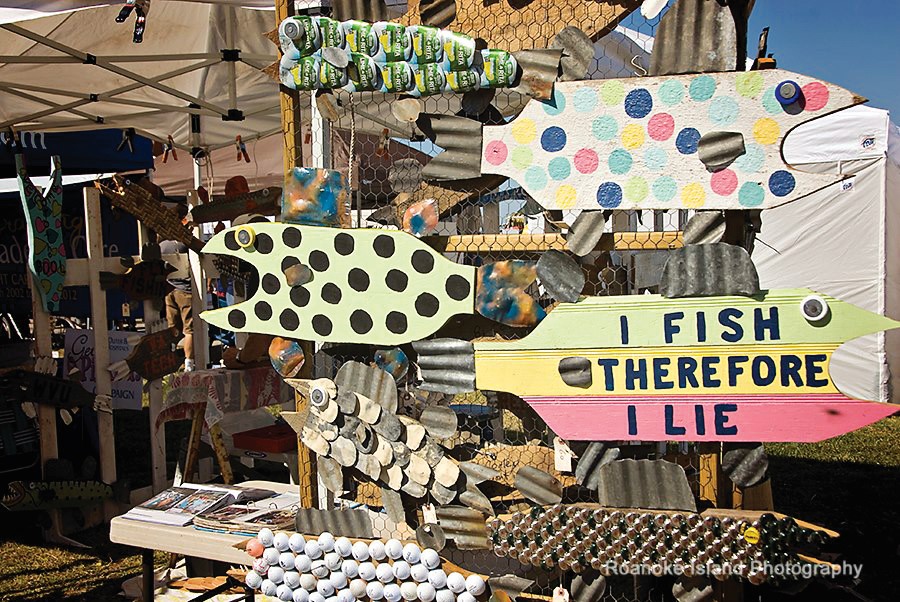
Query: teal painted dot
column 619, row 161
column 559, row 168
column 535, row 178
column 655, row 158
column 770, row 102
column 702, row 87
column 751, row 194
column 752, row 161
column 556, row 104
column 671, row 92
column 584, row 99
column 723, row 110
column 605, row 127
column 664, row 188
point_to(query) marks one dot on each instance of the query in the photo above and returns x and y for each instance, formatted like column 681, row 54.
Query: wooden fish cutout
column 690, row 369
column 25, row 385
column 263, row 202
column 46, row 249
column 707, row 141
column 134, row 199
column 368, row 286
column 154, row 356
column 26, row 496
column 146, row 280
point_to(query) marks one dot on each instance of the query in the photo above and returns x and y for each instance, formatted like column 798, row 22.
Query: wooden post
column 198, row 298
column 94, row 234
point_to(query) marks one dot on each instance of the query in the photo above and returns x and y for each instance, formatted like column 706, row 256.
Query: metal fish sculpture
column 264, row 202
column 707, row 141
column 689, row 369
column 42, row 495
column 367, row 286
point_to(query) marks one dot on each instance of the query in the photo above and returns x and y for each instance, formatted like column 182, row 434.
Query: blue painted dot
column 702, row 88
column 535, row 178
column 655, row 158
column 559, row 168
column 556, row 104
column 781, row 183
column 553, row 139
column 687, row 141
column 752, row 160
column 638, row 103
column 619, row 161
column 585, row 99
column 751, row 194
column 609, row 195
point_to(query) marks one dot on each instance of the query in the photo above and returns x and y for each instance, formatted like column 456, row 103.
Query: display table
column 186, row 541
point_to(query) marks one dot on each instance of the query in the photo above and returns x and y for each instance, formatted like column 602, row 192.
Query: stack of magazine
column 248, row 518
column 188, row 502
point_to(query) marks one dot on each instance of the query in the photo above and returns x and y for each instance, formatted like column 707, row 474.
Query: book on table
column 276, row 513
column 180, row 505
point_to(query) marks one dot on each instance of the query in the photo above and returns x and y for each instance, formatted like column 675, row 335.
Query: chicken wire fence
column 629, row 264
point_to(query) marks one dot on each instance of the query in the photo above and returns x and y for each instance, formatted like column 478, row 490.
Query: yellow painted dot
column 693, row 196
column 632, row 136
column 751, row 535
column 565, row 197
column 524, row 131
column 766, row 130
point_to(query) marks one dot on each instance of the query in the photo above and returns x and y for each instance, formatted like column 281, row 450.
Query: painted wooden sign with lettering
column 710, row 369
column 153, row 356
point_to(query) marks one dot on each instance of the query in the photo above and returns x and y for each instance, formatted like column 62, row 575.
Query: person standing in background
column 179, row 308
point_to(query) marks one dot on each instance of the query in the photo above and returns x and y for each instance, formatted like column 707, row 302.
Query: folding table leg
column 147, row 575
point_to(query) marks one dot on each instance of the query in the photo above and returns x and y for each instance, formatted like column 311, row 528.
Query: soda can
column 331, row 77
column 397, row 77
column 394, row 42
column 459, row 51
column 305, row 75
column 330, row 32
column 359, row 37
column 363, row 74
column 460, row 82
column 499, row 69
column 299, row 36
column 429, row 80
column 427, row 46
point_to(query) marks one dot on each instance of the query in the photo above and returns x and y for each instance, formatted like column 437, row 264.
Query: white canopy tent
column 844, row 240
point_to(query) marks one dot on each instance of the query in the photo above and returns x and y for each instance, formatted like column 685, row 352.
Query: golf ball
column 411, row 553
column 316, row 597
column 475, row 585
column 338, row 580
column 401, row 570
column 367, row 571
column 261, row 566
column 312, row 549
column 291, row 579
column 444, row 595
column 456, row 583
column 384, row 572
column 358, row 588
column 302, row 563
column 360, row 551
column 425, row 592
column 319, row 569
column 296, row 543
column 276, row 574
column 324, row 587
column 265, row 537
column 255, row 548
column 326, row 541
column 375, row 590
column 333, row 560
column 409, row 591
column 376, row 550
column 281, row 542
column 418, row 572
column 392, row 592
column 284, row 593
column 350, row 568
column 268, row 588
column 430, row 558
column 271, row 556
column 301, row 595
column 393, row 548
column 465, row 597
column 286, row 560
column 345, row 596
column 437, row 578
column 253, row 580
column 308, row 582
column 343, row 546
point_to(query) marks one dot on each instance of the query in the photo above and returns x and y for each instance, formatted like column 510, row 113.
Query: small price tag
column 126, row 310
column 429, row 514
column 560, row 594
column 562, row 455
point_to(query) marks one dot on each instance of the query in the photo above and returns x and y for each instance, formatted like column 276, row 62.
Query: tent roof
column 80, row 70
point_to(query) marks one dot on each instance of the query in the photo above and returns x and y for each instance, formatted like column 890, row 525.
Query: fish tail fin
column 108, row 280
column 461, row 140
column 446, row 365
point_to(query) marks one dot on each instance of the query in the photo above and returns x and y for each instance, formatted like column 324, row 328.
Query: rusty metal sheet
column 460, row 138
column 475, row 499
column 717, row 150
column 363, row 10
column 442, row 495
column 596, row 455
column 653, row 484
column 405, row 175
column 560, row 275
column 540, row 69
column 476, row 473
column 464, row 526
column 712, row 270
column 704, row 227
column 437, row 13
column 447, row 365
column 538, row 486
column 450, row 198
column 392, row 502
column 331, row 473
column 576, row 371
column 440, row 421
column 578, row 53
column 349, row 523
column 585, row 232
column 368, row 381
column 746, row 464
column 701, row 36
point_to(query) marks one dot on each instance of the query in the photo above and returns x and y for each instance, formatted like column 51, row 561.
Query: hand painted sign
column 153, row 357
column 711, row 369
column 79, row 346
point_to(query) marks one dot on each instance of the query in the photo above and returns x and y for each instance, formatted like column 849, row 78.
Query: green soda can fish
column 499, row 69
column 363, row 74
column 397, row 77
column 304, row 75
column 460, row 82
column 426, row 44
column 359, row 37
column 331, row 32
column 459, row 51
column 331, row 77
column 299, row 36
column 430, row 80
column 394, row 43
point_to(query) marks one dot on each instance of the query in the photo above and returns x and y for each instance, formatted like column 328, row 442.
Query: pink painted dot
column 723, row 182
column 816, row 96
column 495, row 152
column 586, row 161
column 661, row 126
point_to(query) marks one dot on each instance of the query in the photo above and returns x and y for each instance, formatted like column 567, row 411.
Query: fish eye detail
column 814, row 308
